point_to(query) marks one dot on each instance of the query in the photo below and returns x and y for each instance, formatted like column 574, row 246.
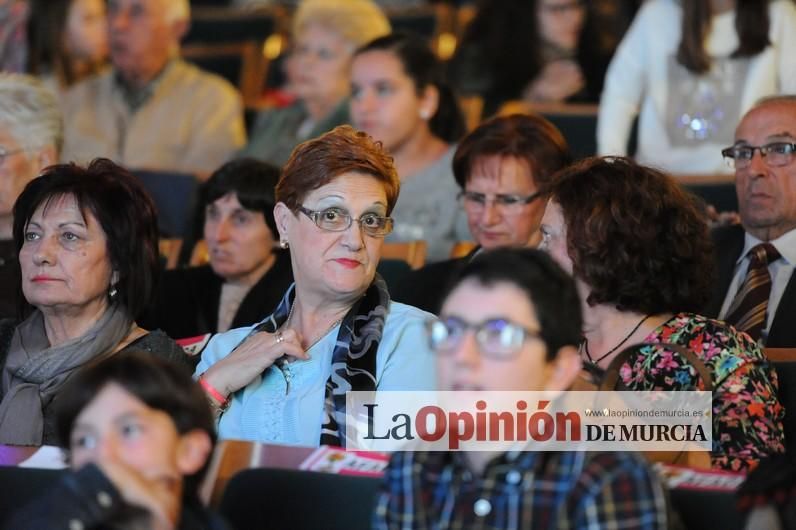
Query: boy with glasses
column 512, row 322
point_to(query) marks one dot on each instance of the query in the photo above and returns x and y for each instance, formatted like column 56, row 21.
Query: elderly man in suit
column 756, row 289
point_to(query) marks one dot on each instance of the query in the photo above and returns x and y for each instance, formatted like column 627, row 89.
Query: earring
column 425, row 114
column 283, row 243
column 113, row 292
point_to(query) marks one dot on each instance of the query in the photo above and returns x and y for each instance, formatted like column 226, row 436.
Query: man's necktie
column 748, row 310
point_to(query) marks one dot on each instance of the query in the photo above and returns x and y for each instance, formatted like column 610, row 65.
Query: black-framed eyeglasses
column 497, row 338
column 475, row 201
column 6, row 153
column 339, row 220
column 775, row 154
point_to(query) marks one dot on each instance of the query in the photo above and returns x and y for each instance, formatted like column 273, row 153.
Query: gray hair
column 357, row 21
column 30, row 112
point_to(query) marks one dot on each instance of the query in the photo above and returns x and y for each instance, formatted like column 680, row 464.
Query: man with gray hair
column 756, row 287
column 153, row 110
column 31, row 133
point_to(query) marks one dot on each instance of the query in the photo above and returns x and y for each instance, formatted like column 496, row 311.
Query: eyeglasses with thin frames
column 338, row 220
column 497, row 338
column 775, row 154
column 506, row 202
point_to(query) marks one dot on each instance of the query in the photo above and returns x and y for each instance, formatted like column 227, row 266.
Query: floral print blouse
column 747, row 417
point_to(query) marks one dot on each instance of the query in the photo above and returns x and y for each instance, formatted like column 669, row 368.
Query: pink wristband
column 215, row 394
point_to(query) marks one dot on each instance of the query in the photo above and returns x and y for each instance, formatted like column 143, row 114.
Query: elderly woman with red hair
column 285, row 379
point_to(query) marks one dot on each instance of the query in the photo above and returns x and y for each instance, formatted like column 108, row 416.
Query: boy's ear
column 565, row 369
column 194, row 450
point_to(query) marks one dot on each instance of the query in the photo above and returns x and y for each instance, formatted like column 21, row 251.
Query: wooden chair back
column 412, row 252
column 461, row 248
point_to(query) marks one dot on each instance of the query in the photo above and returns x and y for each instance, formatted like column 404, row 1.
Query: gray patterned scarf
column 354, row 356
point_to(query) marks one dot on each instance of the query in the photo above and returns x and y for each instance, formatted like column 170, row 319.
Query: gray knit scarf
column 34, row 371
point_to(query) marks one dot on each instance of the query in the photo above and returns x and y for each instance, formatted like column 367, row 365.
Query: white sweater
column 685, row 120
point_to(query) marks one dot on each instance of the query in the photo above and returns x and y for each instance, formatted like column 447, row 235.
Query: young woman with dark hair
column 690, row 70
column 538, row 50
column 67, row 40
column 400, row 97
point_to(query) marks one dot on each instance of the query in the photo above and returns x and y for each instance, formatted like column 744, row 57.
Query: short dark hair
column 635, row 236
column 160, row 384
column 527, row 137
column 319, row 161
column 253, row 183
column 424, row 69
column 123, row 209
column 550, row 290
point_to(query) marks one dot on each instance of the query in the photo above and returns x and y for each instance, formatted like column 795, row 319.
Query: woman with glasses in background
column 502, row 168
column 284, row 379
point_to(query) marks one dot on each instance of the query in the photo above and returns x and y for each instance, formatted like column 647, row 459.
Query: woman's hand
column 557, row 81
column 251, row 358
column 160, row 496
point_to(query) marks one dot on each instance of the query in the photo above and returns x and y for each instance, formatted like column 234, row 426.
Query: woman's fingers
column 251, row 358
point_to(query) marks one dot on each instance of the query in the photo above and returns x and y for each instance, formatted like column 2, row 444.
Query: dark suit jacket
column 187, row 299
column 729, row 242
column 425, row 287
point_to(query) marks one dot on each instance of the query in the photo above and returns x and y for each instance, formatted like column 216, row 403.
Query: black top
column 155, row 342
column 10, row 279
column 187, row 301
column 88, row 499
column 425, row 287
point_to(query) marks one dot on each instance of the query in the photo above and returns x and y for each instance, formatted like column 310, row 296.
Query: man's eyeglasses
column 775, row 154
column 6, row 153
column 338, row 220
column 497, row 338
column 475, row 201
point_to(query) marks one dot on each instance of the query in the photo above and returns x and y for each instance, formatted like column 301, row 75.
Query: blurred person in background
column 13, row 45
column 31, row 134
column 400, row 98
column 325, row 35
column 502, row 169
column 689, row 71
column 67, row 41
column 248, row 272
column 152, row 110
column 540, row 51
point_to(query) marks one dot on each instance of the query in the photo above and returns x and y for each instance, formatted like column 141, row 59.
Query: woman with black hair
column 538, row 50
column 400, row 98
column 690, row 70
column 247, row 273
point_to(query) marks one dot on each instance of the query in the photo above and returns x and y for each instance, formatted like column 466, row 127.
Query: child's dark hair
column 550, row 290
column 159, row 384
